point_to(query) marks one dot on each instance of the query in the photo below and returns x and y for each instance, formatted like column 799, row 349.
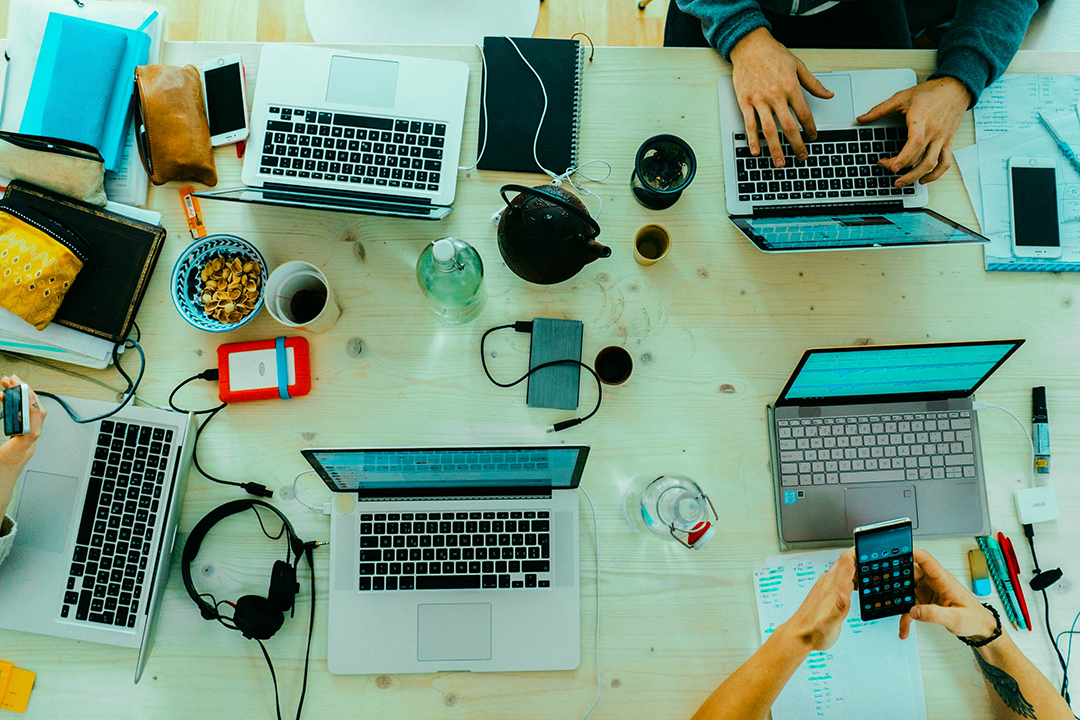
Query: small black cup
column 613, row 365
column 665, row 165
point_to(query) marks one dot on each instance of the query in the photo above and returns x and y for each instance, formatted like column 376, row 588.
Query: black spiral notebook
column 515, row 103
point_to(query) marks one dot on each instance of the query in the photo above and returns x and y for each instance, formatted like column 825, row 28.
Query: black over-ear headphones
column 255, row 616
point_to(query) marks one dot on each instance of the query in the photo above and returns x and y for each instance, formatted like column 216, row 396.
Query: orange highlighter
column 1014, row 574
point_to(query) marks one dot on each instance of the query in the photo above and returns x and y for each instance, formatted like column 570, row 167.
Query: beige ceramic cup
column 651, row 244
column 292, row 283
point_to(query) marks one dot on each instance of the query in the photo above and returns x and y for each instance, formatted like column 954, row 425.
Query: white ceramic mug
column 295, row 276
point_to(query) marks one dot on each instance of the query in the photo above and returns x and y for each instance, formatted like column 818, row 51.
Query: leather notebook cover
column 106, row 295
column 515, row 103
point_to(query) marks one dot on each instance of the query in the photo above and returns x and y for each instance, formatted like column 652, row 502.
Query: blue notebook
column 83, row 83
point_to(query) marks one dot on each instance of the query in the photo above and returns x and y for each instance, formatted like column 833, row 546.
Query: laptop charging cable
column 1042, row 579
column 211, row 375
column 525, row 326
column 292, row 493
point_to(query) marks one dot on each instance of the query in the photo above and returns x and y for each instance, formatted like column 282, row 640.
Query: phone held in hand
column 884, row 569
column 16, row 422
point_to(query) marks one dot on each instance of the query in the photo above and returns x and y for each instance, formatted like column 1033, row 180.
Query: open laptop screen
column 839, row 231
column 857, row 374
column 381, row 470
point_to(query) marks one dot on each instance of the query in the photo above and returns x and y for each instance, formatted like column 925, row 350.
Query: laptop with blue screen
column 839, row 197
column 864, row 434
column 459, row 558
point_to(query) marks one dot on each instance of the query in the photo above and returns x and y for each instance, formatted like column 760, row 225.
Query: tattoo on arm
column 1006, row 687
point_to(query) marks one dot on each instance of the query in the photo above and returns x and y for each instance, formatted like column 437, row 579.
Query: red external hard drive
column 264, row 370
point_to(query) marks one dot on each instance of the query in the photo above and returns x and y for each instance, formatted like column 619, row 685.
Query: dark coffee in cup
column 613, row 365
column 307, row 303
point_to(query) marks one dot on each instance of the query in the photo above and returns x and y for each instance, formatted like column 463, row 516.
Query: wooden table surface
column 714, row 331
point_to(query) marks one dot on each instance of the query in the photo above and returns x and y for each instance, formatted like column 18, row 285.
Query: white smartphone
column 1034, row 207
column 226, row 99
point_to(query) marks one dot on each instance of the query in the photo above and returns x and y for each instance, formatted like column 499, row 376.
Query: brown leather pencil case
column 173, row 133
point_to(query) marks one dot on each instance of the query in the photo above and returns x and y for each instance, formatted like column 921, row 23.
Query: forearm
column 982, row 40
column 725, row 22
column 750, row 691
column 1016, row 687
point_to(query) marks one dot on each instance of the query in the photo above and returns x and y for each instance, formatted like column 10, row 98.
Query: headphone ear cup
column 283, row 586
column 257, row 618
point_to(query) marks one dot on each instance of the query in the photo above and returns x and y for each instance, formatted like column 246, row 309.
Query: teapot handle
column 583, row 216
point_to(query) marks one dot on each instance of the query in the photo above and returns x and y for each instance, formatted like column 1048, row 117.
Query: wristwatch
column 986, row 641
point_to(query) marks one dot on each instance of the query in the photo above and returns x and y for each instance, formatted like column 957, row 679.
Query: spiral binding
column 576, row 110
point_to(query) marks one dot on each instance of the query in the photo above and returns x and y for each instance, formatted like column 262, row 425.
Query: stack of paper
column 26, row 28
column 1007, row 126
column 56, row 341
column 847, row 680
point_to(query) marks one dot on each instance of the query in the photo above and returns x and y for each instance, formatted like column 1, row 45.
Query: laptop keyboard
column 840, row 164
column 875, row 448
column 116, row 532
column 353, row 149
column 455, row 550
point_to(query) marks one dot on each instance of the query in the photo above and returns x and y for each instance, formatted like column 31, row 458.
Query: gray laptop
column 839, row 198
column 865, row 434
column 459, row 558
column 97, row 514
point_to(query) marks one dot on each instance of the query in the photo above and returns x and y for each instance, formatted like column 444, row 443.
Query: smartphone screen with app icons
column 884, row 569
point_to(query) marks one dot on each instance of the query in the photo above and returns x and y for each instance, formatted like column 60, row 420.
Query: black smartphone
column 884, row 569
column 16, row 422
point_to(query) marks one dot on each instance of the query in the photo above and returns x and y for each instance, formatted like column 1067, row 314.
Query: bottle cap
column 443, row 250
column 701, row 536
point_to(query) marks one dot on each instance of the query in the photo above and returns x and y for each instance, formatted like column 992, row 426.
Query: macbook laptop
column 97, row 514
column 865, row 434
column 453, row 558
column 838, row 198
column 335, row 130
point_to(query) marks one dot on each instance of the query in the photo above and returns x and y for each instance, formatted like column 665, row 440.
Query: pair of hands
column 942, row 600
column 17, row 450
column 768, row 82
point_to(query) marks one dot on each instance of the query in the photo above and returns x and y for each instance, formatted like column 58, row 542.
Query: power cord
column 525, row 326
column 1041, row 579
column 325, row 509
column 596, row 640
column 129, row 393
column 1039, row 583
column 252, row 488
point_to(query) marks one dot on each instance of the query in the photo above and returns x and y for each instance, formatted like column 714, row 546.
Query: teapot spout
column 597, row 251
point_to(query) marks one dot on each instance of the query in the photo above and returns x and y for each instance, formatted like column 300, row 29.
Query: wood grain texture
column 714, row 331
column 607, row 22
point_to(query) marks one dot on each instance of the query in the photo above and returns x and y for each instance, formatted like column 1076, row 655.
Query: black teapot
column 546, row 234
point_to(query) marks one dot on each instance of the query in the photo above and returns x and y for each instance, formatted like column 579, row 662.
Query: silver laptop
column 865, row 434
column 97, row 514
column 838, row 198
column 336, row 130
column 453, row 558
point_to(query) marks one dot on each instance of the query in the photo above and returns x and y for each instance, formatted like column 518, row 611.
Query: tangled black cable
column 129, row 393
column 1039, row 583
column 526, row 327
column 257, row 489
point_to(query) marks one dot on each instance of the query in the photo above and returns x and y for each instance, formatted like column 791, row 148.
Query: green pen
column 1062, row 145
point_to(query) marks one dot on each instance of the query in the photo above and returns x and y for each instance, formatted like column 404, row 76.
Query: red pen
column 1014, row 574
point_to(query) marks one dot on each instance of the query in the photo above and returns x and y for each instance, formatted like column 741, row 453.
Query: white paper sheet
column 869, row 674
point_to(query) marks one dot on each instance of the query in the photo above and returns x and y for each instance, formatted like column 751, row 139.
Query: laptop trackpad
column 837, row 110
column 44, row 513
column 868, row 505
column 453, row 631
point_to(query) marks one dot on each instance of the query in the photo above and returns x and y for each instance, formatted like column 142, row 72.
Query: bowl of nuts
column 218, row 283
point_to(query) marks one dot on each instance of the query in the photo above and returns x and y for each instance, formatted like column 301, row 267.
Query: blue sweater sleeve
column 982, row 40
column 725, row 22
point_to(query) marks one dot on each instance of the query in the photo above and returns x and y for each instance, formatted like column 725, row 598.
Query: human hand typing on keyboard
column 768, row 80
column 17, row 451
column 933, row 110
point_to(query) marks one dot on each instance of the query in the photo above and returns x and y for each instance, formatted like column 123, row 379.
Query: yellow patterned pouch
column 39, row 260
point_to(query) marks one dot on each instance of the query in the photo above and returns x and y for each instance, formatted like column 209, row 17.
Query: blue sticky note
column 790, row 497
